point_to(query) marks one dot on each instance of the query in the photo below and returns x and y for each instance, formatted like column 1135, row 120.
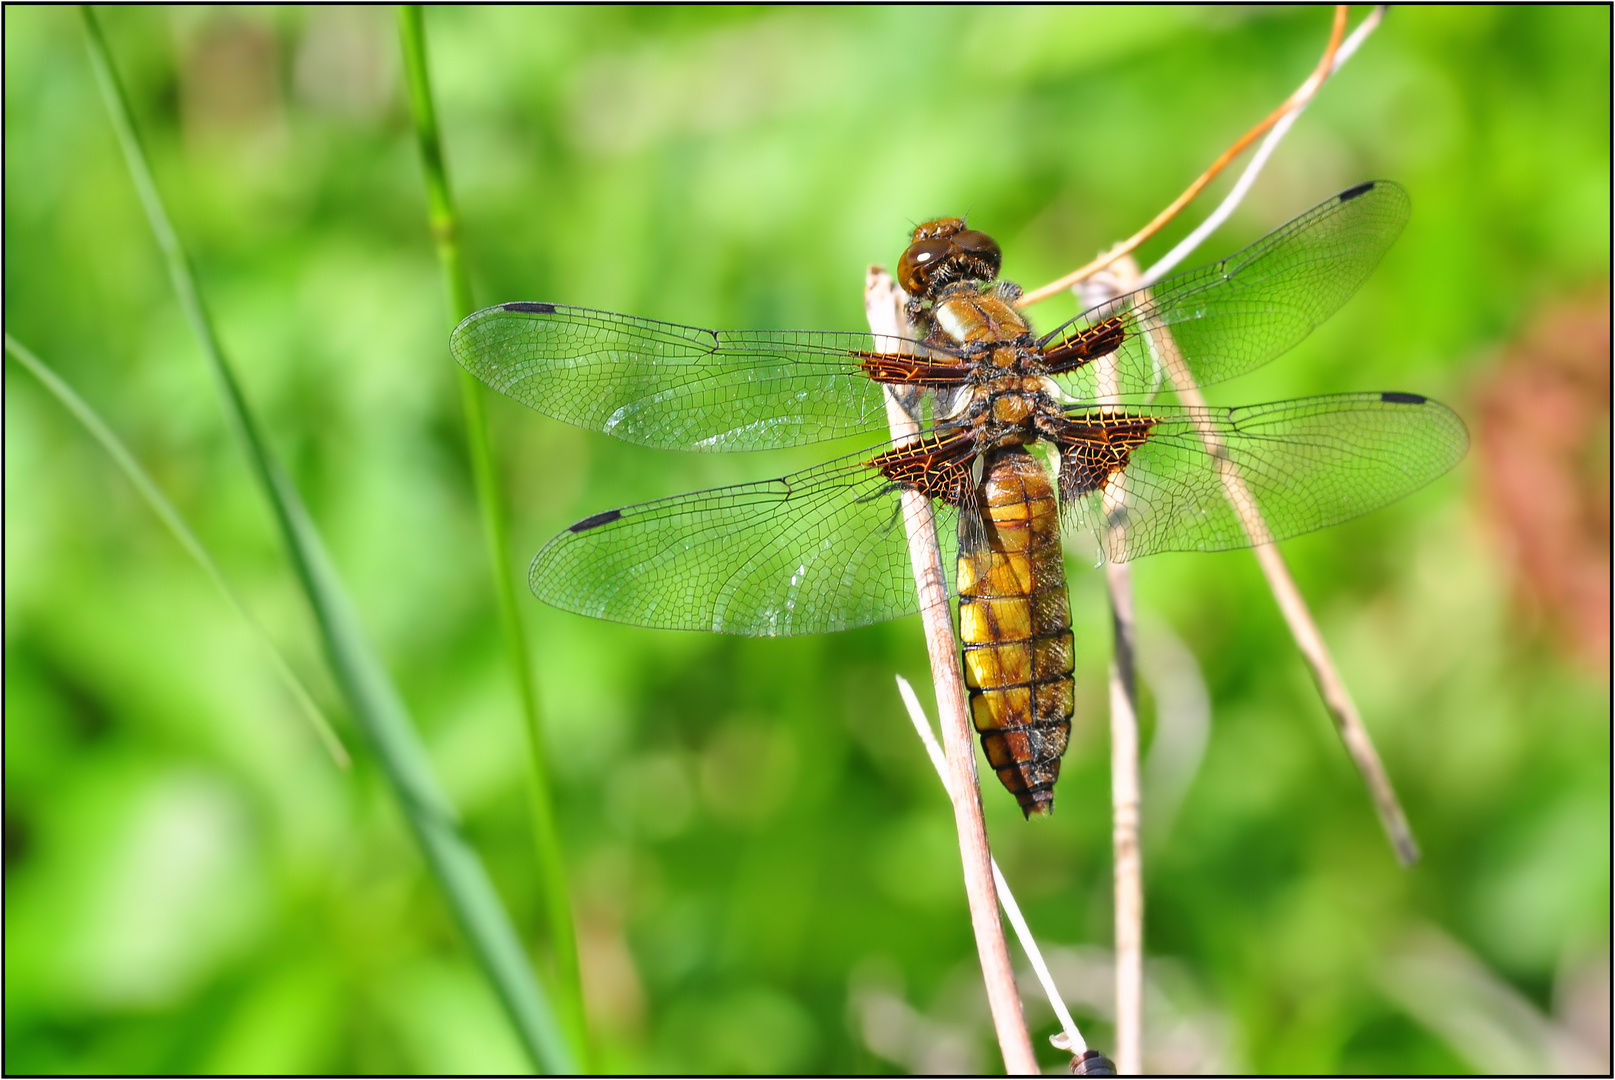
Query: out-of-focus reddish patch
column 1545, row 450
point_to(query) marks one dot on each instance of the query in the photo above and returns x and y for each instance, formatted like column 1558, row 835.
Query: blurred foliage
column 764, row 872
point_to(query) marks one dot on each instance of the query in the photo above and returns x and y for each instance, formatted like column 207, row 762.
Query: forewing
column 675, row 387
column 1288, row 467
column 819, row 550
column 1235, row 315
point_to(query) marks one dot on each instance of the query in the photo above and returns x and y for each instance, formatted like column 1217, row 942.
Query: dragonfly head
column 944, row 251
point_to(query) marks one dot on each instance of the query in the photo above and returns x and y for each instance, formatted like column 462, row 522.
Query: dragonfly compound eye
column 981, row 252
column 922, row 257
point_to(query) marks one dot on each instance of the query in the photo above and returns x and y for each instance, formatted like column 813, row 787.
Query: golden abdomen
column 1015, row 623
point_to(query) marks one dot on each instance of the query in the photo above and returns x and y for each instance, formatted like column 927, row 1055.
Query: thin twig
column 1336, row 698
column 1128, row 872
column 1338, row 701
column 1302, row 94
column 1303, row 627
column 1073, row 1041
column 883, row 305
column 1125, row 799
column 1125, row 785
column 1166, row 263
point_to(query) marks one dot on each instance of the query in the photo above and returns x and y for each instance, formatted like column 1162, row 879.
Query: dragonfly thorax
column 1011, row 410
column 1008, row 391
column 970, row 316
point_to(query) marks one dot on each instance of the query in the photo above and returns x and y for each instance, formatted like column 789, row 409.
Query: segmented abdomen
column 1015, row 622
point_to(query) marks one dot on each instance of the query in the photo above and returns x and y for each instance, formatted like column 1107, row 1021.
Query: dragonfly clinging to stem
column 1018, row 447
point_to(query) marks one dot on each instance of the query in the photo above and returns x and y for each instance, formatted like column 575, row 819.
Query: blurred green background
column 762, row 864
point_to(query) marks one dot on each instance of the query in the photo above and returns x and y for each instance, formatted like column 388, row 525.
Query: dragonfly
column 1025, row 437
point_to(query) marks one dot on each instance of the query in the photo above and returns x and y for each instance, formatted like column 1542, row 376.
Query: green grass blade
column 370, row 693
column 169, row 515
column 445, row 228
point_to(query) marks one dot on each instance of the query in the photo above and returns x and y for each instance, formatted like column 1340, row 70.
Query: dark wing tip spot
column 1352, row 192
column 603, row 518
column 1396, row 397
column 530, row 307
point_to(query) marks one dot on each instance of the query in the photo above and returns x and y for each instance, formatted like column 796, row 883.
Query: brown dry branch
column 1336, row 698
column 1303, row 627
column 1128, row 863
column 1225, row 209
column 883, row 306
column 1293, row 104
column 1124, row 277
column 1070, row 1038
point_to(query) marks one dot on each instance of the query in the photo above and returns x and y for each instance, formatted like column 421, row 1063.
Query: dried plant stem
column 1293, row 103
column 883, row 305
column 1225, row 209
column 1336, row 698
column 1073, row 1041
column 1303, row 627
column 1127, row 874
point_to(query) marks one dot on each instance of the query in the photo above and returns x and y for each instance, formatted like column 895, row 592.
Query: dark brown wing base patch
column 937, row 465
column 909, row 370
column 1095, row 448
column 1086, row 345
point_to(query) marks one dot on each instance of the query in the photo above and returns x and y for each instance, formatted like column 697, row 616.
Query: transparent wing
column 1289, row 468
column 675, row 387
column 819, row 550
column 1235, row 315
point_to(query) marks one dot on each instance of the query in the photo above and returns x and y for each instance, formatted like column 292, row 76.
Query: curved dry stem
column 1073, row 1040
column 1293, row 103
column 883, row 305
column 1125, row 799
column 1303, row 627
column 1166, row 263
